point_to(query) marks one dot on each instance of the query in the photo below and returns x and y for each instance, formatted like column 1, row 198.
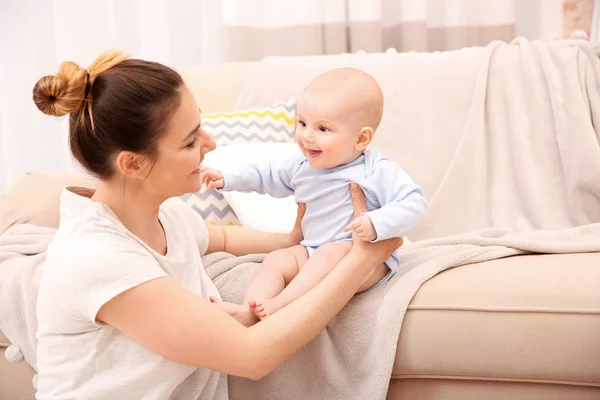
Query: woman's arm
column 240, row 241
column 184, row 327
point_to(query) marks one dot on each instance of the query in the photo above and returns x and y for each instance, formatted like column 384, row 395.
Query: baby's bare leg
column 312, row 272
column 277, row 270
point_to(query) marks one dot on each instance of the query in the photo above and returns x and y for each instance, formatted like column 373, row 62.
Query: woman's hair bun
column 63, row 93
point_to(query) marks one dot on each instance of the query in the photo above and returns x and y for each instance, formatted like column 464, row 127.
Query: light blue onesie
column 396, row 204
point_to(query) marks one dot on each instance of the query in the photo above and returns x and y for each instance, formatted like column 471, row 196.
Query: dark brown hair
column 115, row 104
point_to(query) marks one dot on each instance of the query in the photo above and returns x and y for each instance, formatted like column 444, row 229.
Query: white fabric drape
column 595, row 29
column 37, row 35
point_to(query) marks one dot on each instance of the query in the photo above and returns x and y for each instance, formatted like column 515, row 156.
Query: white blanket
column 504, row 135
column 22, row 251
column 354, row 356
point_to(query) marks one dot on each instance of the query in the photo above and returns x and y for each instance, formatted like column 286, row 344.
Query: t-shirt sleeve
column 201, row 233
column 95, row 276
column 184, row 215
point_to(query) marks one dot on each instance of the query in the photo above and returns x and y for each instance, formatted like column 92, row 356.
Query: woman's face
column 180, row 151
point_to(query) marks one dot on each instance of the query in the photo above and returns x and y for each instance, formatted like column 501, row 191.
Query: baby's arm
column 403, row 205
column 271, row 177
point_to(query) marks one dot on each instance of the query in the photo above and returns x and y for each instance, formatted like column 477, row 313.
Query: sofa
column 523, row 327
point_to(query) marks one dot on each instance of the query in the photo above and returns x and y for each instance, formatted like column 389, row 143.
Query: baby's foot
column 265, row 308
column 245, row 314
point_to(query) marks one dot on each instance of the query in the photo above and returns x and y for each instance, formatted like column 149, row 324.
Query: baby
column 337, row 114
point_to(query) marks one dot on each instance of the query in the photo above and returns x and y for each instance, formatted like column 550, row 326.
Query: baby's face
column 327, row 133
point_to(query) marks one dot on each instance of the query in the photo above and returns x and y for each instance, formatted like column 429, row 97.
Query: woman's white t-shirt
column 93, row 259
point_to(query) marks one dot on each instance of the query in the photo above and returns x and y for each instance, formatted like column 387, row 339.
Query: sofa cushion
column 530, row 318
column 15, row 380
column 473, row 389
column 274, row 123
column 216, row 87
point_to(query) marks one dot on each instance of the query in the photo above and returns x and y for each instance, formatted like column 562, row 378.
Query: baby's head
column 338, row 114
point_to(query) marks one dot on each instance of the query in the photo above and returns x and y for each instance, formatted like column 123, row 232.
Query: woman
column 123, row 309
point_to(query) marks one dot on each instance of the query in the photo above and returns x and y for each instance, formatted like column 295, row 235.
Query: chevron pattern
column 261, row 125
column 212, row 207
column 274, row 115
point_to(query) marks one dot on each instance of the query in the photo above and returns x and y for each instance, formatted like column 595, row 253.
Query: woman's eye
column 192, row 143
column 323, row 128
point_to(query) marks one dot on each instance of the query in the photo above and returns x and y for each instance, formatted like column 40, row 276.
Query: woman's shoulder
column 90, row 231
column 178, row 208
column 93, row 242
column 189, row 223
column 181, row 213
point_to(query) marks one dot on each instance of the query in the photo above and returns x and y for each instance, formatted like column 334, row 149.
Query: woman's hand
column 374, row 253
column 296, row 232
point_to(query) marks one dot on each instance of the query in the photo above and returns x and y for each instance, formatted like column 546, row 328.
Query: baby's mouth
column 313, row 153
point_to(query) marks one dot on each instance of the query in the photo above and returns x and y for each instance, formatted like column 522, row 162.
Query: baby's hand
column 212, row 178
column 363, row 227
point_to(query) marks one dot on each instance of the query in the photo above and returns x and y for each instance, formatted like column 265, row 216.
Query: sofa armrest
column 35, row 198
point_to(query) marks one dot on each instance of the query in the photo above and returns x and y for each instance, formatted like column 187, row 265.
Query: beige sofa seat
column 15, row 380
column 526, row 319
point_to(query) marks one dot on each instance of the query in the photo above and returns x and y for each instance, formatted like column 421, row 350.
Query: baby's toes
column 259, row 310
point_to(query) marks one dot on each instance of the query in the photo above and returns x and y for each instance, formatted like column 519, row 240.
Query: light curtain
column 259, row 28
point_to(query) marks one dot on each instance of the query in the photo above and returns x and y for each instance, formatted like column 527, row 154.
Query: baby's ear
column 364, row 138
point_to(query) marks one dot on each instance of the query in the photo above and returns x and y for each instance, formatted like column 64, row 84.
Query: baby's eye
column 323, row 128
column 302, row 124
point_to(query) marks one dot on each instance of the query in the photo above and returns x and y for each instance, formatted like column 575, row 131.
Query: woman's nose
column 211, row 143
column 208, row 144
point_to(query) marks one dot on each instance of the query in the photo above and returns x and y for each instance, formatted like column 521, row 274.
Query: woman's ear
column 132, row 165
column 364, row 138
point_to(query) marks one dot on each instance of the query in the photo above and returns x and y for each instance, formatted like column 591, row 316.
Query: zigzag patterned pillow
column 275, row 123
column 258, row 125
column 212, row 206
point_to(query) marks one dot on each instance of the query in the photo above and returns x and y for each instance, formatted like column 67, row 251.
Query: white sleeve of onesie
column 268, row 176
